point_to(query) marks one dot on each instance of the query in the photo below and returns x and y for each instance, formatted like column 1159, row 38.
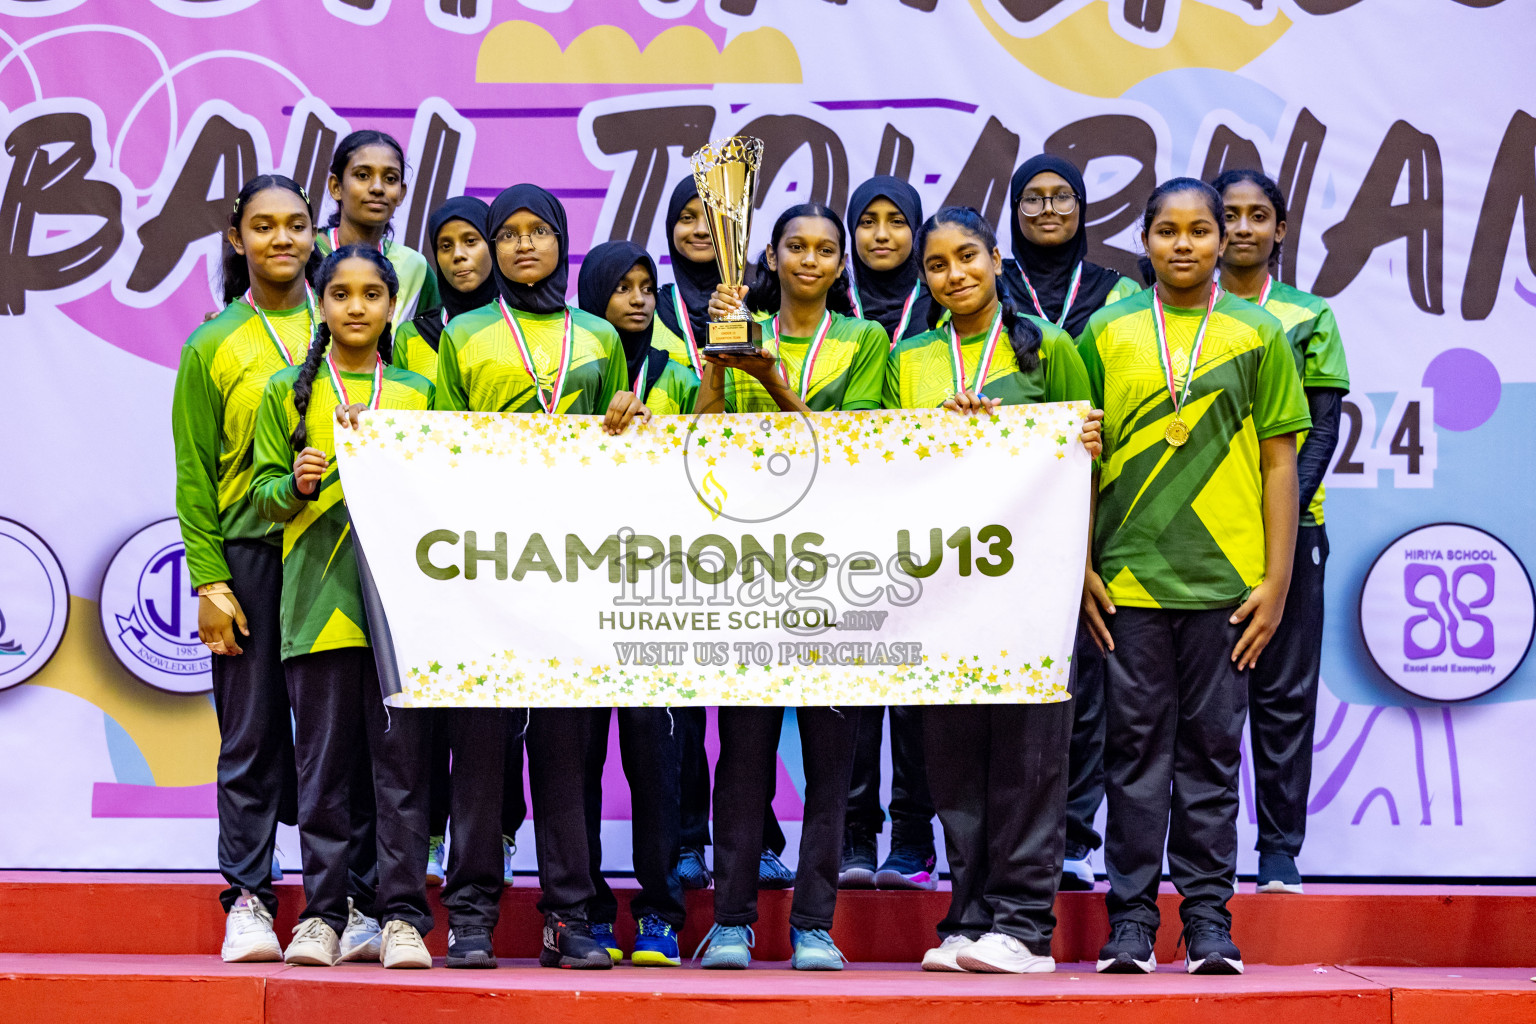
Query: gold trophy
column 726, row 174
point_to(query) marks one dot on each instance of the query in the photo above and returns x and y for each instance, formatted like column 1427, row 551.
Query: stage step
column 1398, row 925
column 137, row 990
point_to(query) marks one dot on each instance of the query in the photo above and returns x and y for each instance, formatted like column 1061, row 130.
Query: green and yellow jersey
column 418, row 280
column 1183, row 528
column 225, row 365
column 413, row 353
column 847, row 374
column 479, row 368
column 919, row 373
column 1314, row 336
column 1123, row 289
column 322, row 606
column 675, row 393
column 675, row 348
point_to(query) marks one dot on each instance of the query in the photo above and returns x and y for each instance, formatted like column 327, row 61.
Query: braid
column 305, row 384
column 1023, row 333
column 387, row 344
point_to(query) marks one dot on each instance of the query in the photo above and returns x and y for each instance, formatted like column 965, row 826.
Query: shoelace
column 652, row 925
column 819, row 938
column 720, row 929
column 399, row 933
column 309, row 928
column 1197, row 928
column 1132, row 929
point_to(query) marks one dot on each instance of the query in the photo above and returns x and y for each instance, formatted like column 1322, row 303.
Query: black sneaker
column 908, row 867
column 1277, row 873
column 1129, row 949
column 1208, row 949
column 470, row 947
column 773, row 873
column 691, row 869
column 858, row 871
column 569, row 944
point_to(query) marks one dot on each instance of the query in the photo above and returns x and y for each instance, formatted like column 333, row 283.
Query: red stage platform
column 108, row 948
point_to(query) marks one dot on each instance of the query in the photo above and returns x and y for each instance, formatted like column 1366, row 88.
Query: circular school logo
column 149, row 611
column 753, row 473
column 34, row 603
column 1447, row 612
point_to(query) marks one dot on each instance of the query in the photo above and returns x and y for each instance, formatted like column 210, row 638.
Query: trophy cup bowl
column 726, row 174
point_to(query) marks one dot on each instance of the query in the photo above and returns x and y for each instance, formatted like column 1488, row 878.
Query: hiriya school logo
column 1447, row 612
column 34, row 603
column 149, row 611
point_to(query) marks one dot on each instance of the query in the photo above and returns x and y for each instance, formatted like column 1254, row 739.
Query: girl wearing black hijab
column 461, row 255
column 887, row 287
column 683, row 307
column 1050, row 276
column 618, row 283
column 529, row 352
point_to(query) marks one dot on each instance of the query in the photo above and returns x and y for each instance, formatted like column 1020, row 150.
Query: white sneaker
column 248, row 934
column 1077, row 875
column 360, row 942
column 403, row 946
column 436, row 859
column 996, row 953
column 314, row 945
column 942, row 956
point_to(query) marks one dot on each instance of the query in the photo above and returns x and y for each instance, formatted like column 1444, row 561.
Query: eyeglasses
column 540, row 237
column 1062, row 203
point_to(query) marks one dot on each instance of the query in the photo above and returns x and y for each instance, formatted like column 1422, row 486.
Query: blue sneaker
column 815, row 951
column 730, row 947
column 437, row 859
column 691, row 869
column 602, row 934
column 655, row 944
column 773, row 873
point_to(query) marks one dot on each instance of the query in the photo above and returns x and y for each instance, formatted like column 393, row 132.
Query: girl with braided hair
column 332, row 682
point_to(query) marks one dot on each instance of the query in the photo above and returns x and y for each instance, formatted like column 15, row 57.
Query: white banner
column 881, row 557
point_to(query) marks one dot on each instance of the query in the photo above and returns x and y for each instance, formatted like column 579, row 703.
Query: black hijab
column 695, row 282
column 601, row 270
column 883, row 293
column 473, row 212
column 1050, row 266
column 548, row 295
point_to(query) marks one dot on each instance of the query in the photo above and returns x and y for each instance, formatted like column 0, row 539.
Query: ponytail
column 1023, row 333
column 304, row 386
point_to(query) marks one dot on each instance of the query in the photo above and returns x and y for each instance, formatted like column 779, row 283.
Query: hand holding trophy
column 726, row 174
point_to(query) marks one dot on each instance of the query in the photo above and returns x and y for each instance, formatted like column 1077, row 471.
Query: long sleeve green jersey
column 919, row 373
column 1183, row 527
column 848, row 373
column 479, row 368
column 224, row 368
column 322, row 605
column 1314, row 336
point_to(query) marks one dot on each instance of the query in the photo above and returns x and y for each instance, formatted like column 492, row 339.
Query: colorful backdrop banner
column 828, row 559
column 128, row 128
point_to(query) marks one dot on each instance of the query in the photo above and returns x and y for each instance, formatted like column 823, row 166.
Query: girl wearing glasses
column 528, row 351
column 1050, row 277
column 367, row 182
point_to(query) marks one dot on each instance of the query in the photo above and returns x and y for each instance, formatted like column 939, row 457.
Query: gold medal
column 1176, row 433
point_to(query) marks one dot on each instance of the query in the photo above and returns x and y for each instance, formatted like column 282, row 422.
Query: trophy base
column 733, row 337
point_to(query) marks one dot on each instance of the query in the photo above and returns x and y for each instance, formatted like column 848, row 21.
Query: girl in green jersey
column 233, row 555
column 1282, row 692
column 997, row 772
column 1196, row 513
column 339, row 716
column 367, row 182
